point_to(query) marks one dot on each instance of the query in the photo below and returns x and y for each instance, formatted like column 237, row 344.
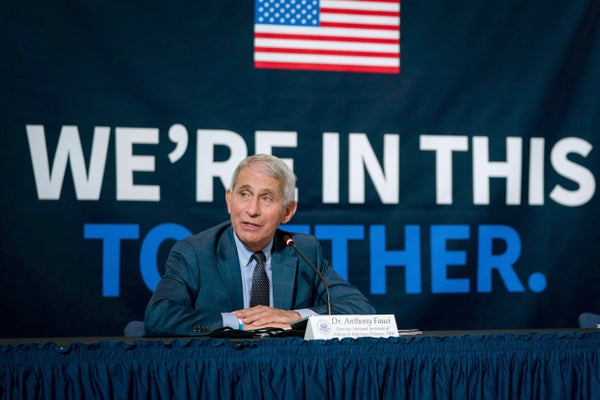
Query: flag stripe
column 326, row 59
column 328, row 67
column 279, row 44
column 375, row 20
column 392, row 5
column 339, row 39
column 360, row 12
column 334, row 32
column 329, row 52
column 361, row 26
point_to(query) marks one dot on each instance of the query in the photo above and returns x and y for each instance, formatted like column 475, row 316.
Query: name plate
column 350, row 326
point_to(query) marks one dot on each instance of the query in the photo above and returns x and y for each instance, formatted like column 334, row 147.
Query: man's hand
column 263, row 317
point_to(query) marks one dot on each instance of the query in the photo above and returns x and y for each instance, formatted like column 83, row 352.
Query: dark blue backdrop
column 459, row 193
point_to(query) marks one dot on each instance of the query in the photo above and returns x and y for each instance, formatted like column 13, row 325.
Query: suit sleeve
column 170, row 310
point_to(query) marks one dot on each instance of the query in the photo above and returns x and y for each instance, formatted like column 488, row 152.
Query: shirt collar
column 245, row 253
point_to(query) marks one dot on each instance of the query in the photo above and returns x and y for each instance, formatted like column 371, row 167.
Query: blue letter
column 502, row 262
column 441, row 258
column 339, row 235
column 111, row 251
column 409, row 258
column 155, row 237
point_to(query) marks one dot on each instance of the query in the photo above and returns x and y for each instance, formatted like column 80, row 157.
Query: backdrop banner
column 446, row 152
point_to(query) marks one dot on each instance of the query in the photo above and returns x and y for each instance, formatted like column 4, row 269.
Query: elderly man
column 240, row 273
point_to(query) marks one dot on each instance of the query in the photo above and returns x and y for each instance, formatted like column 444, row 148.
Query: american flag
column 328, row 35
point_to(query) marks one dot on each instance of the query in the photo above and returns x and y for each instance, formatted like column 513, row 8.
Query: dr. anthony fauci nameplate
column 350, row 326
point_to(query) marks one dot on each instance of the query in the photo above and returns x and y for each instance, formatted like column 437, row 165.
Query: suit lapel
column 283, row 268
column 228, row 264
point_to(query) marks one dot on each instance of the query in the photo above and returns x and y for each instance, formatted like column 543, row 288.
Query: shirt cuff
column 231, row 320
column 306, row 312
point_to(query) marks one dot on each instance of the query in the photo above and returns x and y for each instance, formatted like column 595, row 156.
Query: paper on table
column 409, row 332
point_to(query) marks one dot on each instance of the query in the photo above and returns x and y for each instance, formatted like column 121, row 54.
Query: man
column 209, row 279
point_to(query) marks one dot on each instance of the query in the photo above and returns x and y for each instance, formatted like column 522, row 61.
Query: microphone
column 290, row 242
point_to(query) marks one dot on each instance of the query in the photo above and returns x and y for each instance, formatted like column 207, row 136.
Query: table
column 434, row 365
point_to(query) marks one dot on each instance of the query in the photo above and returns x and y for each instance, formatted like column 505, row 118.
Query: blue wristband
column 241, row 324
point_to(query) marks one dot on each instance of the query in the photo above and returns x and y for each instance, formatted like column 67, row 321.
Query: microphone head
column 288, row 240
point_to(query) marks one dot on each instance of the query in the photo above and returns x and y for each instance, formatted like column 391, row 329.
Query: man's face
column 256, row 206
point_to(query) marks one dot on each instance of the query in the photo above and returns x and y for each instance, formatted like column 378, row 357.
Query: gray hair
column 273, row 167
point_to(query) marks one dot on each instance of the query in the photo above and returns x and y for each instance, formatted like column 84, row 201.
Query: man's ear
column 290, row 210
column 228, row 200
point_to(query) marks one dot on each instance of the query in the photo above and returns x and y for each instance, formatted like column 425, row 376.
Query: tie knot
column 260, row 257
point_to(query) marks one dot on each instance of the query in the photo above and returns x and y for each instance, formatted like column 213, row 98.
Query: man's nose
column 253, row 207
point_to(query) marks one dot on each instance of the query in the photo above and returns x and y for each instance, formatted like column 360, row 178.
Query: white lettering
column 207, row 168
column 578, row 174
column 49, row 184
column 484, row 169
column 128, row 163
column 386, row 180
column 443, row 146
column 331, row 168
column 536, row 172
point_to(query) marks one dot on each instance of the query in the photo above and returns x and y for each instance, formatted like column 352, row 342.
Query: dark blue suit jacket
column 203, row 279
